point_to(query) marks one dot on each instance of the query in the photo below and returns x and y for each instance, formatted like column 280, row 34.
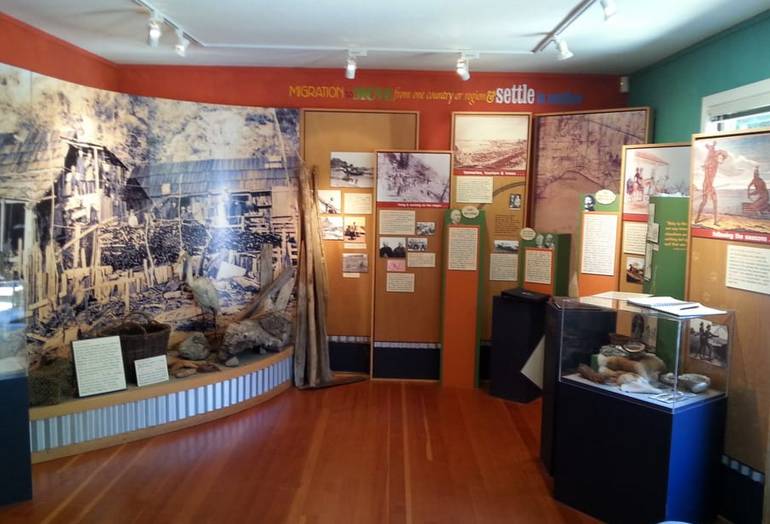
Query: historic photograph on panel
column 120, row 204
column 413, row 179
column 729, row 195
column 331, row 227
column 355, row 263
column 506, row 246
column 425, row 229
column 491, row 144
column 416, row 244
column 650, row 171
column 634, row 270
column 355, row 228
column 709, row 342
column 352, row 169
column 393, row 247
column 329, row 201
column 580, row 154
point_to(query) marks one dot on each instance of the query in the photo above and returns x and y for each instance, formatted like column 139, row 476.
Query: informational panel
column 491, row 154
column 649, row 170
column 98, row 365
column 599, row 242
column 464, row 282
column 411, row 198
column 576, row 154
column 729, row 237
column 341, row 145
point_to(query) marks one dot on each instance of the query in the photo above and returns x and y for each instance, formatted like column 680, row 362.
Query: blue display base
column 15, row 457
column 621, row 461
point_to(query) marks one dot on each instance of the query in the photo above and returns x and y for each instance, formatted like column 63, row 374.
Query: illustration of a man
column 714, row 157
column 758, row 188
column 455, row 216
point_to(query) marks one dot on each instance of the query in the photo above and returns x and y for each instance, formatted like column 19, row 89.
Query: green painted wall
column 675, row 86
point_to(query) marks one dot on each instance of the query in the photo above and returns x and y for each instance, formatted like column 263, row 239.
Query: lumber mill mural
column 113, row 203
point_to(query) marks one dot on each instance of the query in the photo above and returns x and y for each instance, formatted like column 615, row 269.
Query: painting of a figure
column 729, row 194
column 652, row 170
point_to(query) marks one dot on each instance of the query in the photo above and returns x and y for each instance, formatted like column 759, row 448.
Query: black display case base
column 15, row 455
column 624, row 462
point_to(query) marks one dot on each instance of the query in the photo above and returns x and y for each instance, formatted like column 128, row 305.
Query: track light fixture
column 154, row 30
column 463, row 69
column 182, row 43
column 350, row 68
column 610, row 8
column 352, row 63
column 564, row 52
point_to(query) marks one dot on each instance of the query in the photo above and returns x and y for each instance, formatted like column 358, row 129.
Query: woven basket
column 138, row 340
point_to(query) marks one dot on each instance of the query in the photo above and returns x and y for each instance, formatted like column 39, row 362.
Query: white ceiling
column 315, row 33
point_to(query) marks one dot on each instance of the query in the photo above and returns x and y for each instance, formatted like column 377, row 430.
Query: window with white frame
column 745, row 107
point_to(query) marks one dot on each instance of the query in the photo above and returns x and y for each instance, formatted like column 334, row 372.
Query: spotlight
column 609, row 8
column 350, row 68
column 564, row 52
column 463, row 70
column 154, row 30
column 182, row 43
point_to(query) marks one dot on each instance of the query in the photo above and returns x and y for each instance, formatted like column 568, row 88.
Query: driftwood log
column 311, row 346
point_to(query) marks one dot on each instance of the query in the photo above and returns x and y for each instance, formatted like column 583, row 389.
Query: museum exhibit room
column 412, row 262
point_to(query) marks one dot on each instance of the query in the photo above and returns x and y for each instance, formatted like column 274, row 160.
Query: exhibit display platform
column 116, row 418
column 627, row 462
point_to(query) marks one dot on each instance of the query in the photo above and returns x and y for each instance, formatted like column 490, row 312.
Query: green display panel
column 668, row 248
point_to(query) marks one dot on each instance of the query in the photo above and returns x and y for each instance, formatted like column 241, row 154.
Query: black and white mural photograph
column 411, row 179
column 120, row 203
column 352, row 169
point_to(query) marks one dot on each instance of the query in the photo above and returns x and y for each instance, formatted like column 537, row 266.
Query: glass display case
column 13, row 358
column 643, row 355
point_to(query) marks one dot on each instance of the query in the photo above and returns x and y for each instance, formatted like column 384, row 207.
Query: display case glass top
column 642, row 355
column 13, row 358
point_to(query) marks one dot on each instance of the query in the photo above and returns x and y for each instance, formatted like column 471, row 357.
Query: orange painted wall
column 22, row 45
column 29, row 48
column 272, row 87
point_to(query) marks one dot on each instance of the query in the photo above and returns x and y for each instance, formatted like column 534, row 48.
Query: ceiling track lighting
column 351, row 65
column 463, row 68
column 182, row 43
column 154, row 30
column 609, row 9
column 564, row 52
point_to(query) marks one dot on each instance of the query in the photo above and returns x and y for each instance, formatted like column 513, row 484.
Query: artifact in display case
column 658, row 359
column 13, row 359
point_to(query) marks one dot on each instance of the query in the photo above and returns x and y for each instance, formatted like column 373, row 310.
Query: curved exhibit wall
column 113, row 190
column 83, row 425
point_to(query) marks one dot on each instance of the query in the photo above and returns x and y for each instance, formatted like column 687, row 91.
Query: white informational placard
column 538, row 265
column 151, row 370
column 474, row 189
column 393, row 222
column 462, row 252
column 634, row 237
column 600, row 233
column 421, row 259
column 504, row 267
column 748, row 268
column 98, row 365
column 399, row 283
column 358, row 203
column 351, row 275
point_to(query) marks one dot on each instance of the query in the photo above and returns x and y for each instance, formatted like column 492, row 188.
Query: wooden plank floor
column 368, row 452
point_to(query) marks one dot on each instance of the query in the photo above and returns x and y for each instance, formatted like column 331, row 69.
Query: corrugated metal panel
column 76, row 428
